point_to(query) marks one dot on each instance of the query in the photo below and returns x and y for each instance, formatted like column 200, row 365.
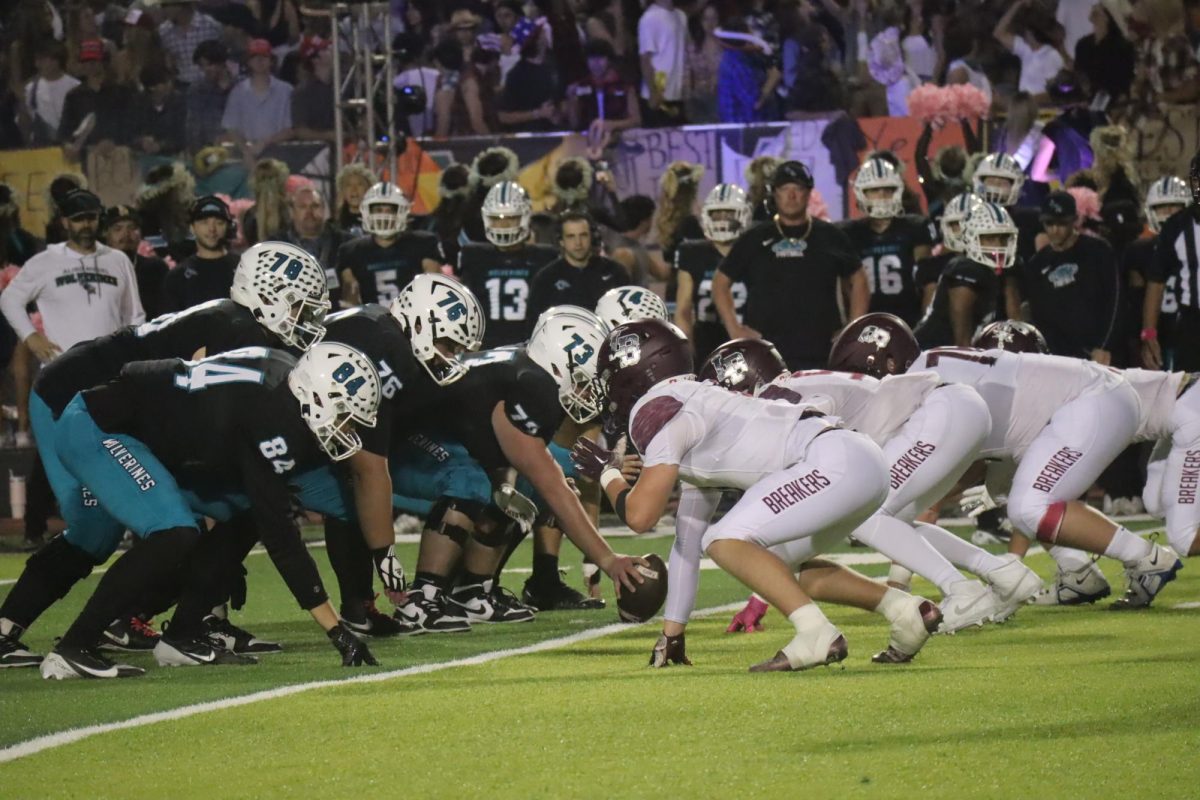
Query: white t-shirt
column 1074, row 16
column 875, row 408
column 719, row 438
column 80, row 297
column 1038, row 66
column 50, row 97
column 662, row 34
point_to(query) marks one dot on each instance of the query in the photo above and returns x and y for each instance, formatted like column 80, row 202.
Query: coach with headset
column 796, row 270
column 208, row 274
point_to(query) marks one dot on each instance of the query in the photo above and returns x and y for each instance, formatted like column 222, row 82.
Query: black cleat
column 223, row 633
column 200, row 651
column 132, row 634
column 375, row 622
column 430, row 612
column 497, row 604
column 67, row 663
column 14, row 652
column 558, row 597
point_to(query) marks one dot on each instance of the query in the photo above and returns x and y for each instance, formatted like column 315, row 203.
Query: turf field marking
column 50, row 741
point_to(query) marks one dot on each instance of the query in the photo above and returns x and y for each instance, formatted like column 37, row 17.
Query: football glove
column 516, row 506
column 975, row 501
column 591, row 460
column 390, row 570
column 354, row 651
column 669, row 650
column 749, row 619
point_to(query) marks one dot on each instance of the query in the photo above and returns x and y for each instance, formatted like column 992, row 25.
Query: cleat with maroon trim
column 910, row 631
column 782, row 662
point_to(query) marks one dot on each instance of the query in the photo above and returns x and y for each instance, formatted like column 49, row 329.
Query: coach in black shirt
column 793, row 267
column 207, row 275
column 579, row 276
column 1073, row 286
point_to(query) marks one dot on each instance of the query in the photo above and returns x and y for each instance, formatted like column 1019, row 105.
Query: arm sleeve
column 271, row 506
column 23, row 290
column 696, row 508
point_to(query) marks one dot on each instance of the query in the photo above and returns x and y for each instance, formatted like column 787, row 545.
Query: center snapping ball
column 643, row 604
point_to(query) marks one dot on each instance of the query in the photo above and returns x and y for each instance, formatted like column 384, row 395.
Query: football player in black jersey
column 501, row 273
column 377, row 265
column 1165, row 198
column 725, row 214
column 278, row 299
column 525, row 392
column 969, row 285
column 248, row 417
column 954, row 214
column 889, row 242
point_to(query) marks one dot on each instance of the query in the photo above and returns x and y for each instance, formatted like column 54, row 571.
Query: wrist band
column 1149, row 334
column 609, row 475
column 619, row 506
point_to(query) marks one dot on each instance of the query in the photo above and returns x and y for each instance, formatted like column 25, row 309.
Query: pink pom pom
column 924, row 103
column 817, row 207
column 969, row 102
column 1087, row 203
column 8, row 274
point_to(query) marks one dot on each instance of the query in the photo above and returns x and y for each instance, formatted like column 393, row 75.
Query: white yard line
column 62, row 738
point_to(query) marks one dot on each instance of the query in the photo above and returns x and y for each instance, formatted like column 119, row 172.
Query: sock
column 892, row 605
column 958, row 551
column 1069, row 559
column 423, row 579
column 10, row 628
column 899, row 542
column 1127, row 547
column 545, row 569
column 807, row 618
column 469, row 579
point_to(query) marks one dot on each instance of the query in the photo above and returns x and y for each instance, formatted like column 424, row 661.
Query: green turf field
column 1059, row 702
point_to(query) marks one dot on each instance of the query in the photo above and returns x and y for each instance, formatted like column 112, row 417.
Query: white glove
column 519, row 508
column 975, row 501
column 390, row 570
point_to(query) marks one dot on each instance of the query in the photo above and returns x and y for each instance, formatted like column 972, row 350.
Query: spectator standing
column 746, row 78
column 1104, row 58
column 207, row 95
column 1073, row 286
column 530, row 90
column 123, row 231
column 1040, row 60
column 702, row 61
column 161, row 114
column 258, row 112
column 182, row 32
column 83, row 289
column 579, row 276
column 794, row 267
column 46, row 94
column 602, row 94
column 312, row 101
column 1167, row 69
column 207, row 275
column 1076, row 18
column 662, row 46
column 97, row 112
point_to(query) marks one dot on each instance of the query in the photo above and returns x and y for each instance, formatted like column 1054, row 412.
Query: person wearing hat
column 182, row 31
column 97, row 112
column 528, row 101
column 258, row 112
column 82, row 288
column 1072, row 286
column 795, row 268
column 602, row 94
column 208, row 274
column 123, row 231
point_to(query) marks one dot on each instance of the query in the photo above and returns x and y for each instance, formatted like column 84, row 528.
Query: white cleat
column 969, row 604
column 910, row 632
column 1084, row 585
column 1013, row 584
column 1147, row 578
column 824, row 646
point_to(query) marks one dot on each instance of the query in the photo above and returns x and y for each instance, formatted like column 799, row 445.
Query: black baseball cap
column 210, row 206
column 791, row 172
column 1059, row 206
column 79, row 202
column 116, row 214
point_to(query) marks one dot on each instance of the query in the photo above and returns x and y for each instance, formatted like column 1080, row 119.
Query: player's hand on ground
column 669, row 650
column 624, row 572
column 591, row 459
column 749, row 619
column 355, row 652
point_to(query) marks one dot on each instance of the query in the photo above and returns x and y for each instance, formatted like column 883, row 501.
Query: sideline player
column 374, row 267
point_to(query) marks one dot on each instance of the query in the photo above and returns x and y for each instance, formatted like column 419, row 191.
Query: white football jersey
column 1157, row 392
column 719, row 438
column 1022, row 390
column 873, row 407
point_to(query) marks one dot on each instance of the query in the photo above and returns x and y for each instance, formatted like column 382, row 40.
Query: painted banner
column 30, row 172
column 1165, row 145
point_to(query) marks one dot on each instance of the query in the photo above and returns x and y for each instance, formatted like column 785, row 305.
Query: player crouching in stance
column 807, row 484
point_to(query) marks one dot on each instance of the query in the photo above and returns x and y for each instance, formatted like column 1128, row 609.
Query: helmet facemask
column 437, row 310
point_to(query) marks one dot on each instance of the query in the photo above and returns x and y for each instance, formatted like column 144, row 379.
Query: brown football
column 643, row 604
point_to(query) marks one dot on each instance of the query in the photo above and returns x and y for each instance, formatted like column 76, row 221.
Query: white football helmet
column 284, row 287
column 629, row 303
column 435, row 306
column 577, row 311
column 385, row 210
column 567, row 345
column 989, row 219
column 1003, row 166
column 876, row 173
column 506, row 201
column 338, row 390
column 725, row 227
column 956, row 213
column 1167, row 191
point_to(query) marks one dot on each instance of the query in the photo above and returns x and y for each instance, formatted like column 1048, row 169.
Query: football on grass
column 643, row 604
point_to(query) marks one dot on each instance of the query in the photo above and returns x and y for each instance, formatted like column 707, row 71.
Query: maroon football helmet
column 743, row 365
column 635, row 356
column 875, row 344
column 1011, row 335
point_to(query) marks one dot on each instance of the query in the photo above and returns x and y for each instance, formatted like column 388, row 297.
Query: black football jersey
column 889, row 261
column 504, row 375
column 935, row 328
column 930, row 269
column 403, row 383
column 382, row 272
column 501, row 279
column 700, row 259
column 215, row 326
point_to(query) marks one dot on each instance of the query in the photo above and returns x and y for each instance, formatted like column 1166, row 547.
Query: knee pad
column 456, row 532
column 493, row 528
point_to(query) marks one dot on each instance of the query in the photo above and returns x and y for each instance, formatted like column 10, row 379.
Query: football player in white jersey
column 1061, row 421
column 807, row 483
column 930, row 434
